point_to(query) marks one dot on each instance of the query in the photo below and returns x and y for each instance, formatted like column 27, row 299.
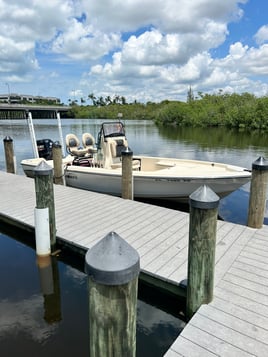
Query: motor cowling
column 44, row 147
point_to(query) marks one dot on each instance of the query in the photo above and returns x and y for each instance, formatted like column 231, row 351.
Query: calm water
column 44, row 311
column 38, row 321
column 214, row 144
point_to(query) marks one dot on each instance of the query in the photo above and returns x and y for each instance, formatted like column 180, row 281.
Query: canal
column 229, row 146
column 40, row 317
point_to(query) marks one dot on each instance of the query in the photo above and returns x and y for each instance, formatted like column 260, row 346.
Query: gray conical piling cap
column 260, row 164
column 112, row 261
column 127, row 152
column 204, row 198
column 43, row 169
column 8, row 139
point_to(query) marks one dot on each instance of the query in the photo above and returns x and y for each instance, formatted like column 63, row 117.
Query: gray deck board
column 206, row 340
column 250, row 268
column 235, row 323
column 244, row 336
column 240, row 312
column 237, row 298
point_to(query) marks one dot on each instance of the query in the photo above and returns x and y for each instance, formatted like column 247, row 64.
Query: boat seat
column 117, row 146
column 88, row 142
column 73, row 146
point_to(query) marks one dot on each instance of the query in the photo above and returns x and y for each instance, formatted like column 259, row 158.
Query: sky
column 144, row 50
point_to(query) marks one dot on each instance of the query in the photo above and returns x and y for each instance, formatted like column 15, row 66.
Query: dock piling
column 43, row 175
column 57, row 163
column 9, row 155
column 202, row 243
column 113, row 267
column 258, row 192
column 127, row 175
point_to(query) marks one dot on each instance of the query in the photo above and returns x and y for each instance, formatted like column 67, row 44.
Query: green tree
column 190, row 95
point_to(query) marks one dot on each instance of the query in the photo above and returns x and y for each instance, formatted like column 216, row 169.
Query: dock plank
column 207, row 341
column 189, row 348
column 238, row 299
column 251, row 277
column 245, row 336
column 254, row 288
column 250, row 268
column 235, row 323
column 241, row 312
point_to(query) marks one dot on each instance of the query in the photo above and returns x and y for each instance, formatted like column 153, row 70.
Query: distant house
column 14, row 98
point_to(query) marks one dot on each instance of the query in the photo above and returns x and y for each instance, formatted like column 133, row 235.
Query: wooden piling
column 127, row 175
column 9, row 155
column 57, row 163
column 112, row 266
column 45, row 196
column 201, row 253
column 258, row 192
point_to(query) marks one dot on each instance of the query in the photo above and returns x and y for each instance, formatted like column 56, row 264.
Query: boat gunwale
column 161, row 174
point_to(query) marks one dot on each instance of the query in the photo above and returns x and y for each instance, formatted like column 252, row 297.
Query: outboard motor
column 44, row 147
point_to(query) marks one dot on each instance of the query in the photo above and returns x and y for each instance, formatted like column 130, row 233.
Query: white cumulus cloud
column 262, row 35
column 142, row 49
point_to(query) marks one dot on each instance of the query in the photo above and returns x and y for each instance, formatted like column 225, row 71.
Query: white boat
column 99, row 168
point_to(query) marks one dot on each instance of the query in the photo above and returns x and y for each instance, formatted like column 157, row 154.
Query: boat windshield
column 113, row 129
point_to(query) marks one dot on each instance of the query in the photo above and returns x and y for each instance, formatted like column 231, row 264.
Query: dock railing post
column 127, row 175
column 43, row 175
column 258, row 192
column 9, row 155
column 113, row 267
column 202, row 244
column 57, row 163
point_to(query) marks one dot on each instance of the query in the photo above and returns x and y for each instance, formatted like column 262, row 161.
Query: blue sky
column 145, row 50
column 255, row 16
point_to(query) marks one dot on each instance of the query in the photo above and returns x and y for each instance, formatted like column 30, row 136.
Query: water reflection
column 50, row 287
column 155, row 330
column 20, row 319
column 44, row 307
column 215, row 144
column 217, row 138
column 21, row 307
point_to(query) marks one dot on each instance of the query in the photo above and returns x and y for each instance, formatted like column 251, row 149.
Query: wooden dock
column 234, row 324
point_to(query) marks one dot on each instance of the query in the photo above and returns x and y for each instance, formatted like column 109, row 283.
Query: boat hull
column 152, row 187
column 164, row 184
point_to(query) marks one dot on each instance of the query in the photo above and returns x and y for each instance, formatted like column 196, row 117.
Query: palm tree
column 108, row 100
column 116, row 99
column 123, row 100
column 93, row 98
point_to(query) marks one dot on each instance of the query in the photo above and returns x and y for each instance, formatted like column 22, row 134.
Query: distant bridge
column 20, row 111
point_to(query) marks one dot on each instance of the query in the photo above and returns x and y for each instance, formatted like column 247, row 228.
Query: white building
column 14, row 98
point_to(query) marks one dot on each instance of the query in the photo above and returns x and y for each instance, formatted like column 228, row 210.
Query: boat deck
column 234, row 324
